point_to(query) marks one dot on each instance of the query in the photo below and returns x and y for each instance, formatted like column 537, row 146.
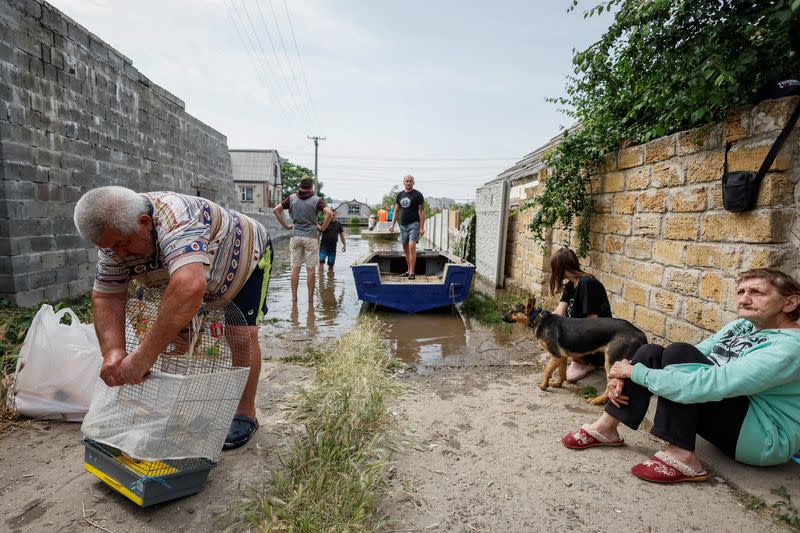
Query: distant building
column 345, row 211
column 257, row 178
column 440, row 203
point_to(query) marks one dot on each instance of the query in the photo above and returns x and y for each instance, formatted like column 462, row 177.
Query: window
column 247, row 194
column 353, row 209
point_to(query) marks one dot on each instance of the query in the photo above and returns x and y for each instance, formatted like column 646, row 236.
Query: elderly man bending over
column 197, row 249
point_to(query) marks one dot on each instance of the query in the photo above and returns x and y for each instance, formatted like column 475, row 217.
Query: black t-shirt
column 330, row 236
column 409, row 203
column 589, row 297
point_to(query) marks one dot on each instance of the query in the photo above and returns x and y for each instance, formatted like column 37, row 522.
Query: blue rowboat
column 441, row 279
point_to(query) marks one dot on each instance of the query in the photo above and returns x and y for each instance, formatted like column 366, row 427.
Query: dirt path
column 487, row 458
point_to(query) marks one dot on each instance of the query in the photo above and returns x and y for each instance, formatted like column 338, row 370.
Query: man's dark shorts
column 409, row 233
column 250, row 297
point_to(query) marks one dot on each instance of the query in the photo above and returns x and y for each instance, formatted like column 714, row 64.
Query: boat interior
column 429, row 263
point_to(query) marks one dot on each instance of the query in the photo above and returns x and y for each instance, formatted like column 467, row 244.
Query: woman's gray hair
column 113, row 207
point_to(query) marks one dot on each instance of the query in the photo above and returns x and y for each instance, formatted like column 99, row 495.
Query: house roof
column 353, row 201
column 255, row 165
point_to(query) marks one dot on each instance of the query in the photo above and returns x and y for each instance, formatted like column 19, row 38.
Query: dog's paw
column 598, row 400
column 557, row 384
column 544, row 386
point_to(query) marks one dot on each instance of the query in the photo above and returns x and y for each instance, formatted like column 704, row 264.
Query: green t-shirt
column 763, row 365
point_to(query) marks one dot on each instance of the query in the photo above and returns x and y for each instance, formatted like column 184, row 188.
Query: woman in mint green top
column 739, row 389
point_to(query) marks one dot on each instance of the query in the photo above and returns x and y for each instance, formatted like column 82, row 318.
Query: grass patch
column 336, row 468
column 14, row 324
column 754, row 503
column 785, row 509
column 308, row 357
column 587, row 392
column 487, row 310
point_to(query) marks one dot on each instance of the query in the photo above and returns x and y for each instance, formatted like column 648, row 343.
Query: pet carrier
column 158, row 440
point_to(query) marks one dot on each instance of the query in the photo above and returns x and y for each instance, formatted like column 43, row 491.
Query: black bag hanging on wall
column 740, row 188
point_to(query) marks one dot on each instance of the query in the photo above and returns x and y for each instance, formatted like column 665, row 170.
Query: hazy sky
column 452, row 92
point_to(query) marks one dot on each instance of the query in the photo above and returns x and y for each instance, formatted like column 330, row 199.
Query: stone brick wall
column 76, row 114
column 661, row 242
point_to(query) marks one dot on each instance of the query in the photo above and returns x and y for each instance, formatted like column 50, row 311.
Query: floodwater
column 429, row 339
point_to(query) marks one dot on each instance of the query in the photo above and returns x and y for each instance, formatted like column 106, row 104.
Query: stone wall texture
column 76, row 114
column 661, row 242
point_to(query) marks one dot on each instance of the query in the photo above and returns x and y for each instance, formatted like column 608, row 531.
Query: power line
column 405, row 167
column 388, row 158
column 279, row 71
column 303, row 99
column 257, row 67
column 264, row 57
column 300, row 60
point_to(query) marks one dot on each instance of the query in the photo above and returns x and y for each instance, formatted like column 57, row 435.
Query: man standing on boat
column 410, row 212
column 304, row 245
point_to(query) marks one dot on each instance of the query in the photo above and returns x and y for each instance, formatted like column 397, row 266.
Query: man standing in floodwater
column 304, row 245
column 410, row 212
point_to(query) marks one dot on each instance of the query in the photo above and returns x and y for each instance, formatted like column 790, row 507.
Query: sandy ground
column 485, row 457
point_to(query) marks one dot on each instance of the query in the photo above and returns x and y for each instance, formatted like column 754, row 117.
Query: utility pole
column 316, row 140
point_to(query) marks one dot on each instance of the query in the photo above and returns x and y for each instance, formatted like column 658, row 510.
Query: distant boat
column 381, row 231
column 441, row 279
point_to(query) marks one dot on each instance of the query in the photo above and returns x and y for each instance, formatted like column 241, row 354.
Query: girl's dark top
column 587, row 298
column 330, row 236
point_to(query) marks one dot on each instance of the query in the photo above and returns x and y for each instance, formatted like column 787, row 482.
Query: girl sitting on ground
column 582, row 296
column 739, row 389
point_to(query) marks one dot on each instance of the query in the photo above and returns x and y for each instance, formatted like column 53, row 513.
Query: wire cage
column 158, row 440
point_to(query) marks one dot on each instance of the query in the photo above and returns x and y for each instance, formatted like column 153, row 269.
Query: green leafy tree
column 292, row 174
column 465, row 211
column 663, row 66
column 389, row 199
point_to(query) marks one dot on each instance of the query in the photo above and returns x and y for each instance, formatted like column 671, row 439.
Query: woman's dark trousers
column 680, row 423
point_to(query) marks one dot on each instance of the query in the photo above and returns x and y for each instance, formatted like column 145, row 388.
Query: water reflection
column 331, row 297
column 431, row 339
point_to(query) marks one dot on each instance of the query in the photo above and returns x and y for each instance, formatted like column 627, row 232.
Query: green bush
column 355, row 221
column 663, row 66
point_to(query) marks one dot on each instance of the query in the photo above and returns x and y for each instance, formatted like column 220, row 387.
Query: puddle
column 436, row 338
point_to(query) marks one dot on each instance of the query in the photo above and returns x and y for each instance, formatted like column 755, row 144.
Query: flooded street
column 437, row 338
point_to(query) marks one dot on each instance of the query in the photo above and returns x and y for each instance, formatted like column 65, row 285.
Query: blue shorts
column 409, row 233
column 330, row 256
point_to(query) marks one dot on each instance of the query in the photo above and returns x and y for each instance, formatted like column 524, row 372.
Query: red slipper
column 587, row 437
column 663, row 468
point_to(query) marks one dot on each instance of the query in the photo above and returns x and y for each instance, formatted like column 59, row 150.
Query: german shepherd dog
column 576, row 337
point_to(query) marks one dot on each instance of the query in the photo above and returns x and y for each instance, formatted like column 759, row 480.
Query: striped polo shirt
column 188, row 229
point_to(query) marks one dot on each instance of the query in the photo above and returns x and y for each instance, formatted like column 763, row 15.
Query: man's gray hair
column 110, row 207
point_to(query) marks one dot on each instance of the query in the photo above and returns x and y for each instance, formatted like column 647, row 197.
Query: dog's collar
column 531, row 317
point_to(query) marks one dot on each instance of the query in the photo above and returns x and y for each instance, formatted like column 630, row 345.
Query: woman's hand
column 615, row 396
column 621, row 369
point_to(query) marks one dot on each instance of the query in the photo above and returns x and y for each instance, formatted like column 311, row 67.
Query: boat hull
column 387, row 289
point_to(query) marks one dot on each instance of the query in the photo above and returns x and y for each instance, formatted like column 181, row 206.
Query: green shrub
column 661, row 67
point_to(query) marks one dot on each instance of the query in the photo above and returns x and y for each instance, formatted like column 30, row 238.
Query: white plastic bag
column 57, row 367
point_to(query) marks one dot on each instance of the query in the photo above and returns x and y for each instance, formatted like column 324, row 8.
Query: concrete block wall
column 76, row 114
column 492, row 213
column 662, row 244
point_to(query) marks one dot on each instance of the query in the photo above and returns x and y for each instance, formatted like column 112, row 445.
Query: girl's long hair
column 563, row 261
